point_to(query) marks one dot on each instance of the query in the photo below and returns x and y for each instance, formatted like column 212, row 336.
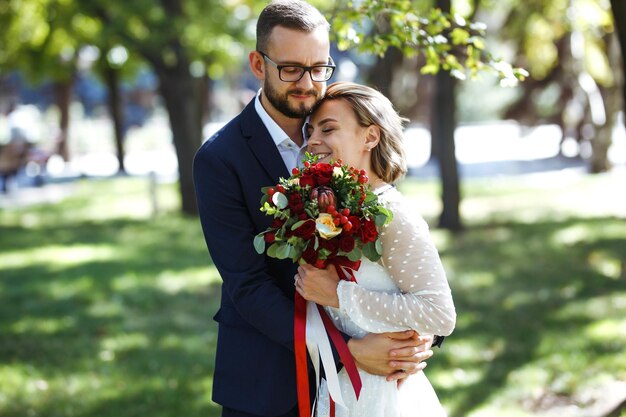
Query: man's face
column 288, row 46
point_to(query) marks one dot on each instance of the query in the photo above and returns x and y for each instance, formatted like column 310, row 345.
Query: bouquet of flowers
column 324, row 213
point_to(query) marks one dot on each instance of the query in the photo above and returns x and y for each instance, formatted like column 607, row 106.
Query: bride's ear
column 372, row 137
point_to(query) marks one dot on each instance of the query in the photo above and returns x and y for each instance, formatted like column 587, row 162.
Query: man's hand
column 318, row 285
column 396, row 355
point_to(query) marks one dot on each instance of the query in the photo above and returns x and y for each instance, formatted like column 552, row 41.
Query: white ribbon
column 318, row 345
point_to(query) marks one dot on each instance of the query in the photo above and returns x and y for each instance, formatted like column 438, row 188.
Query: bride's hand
column 394, row 355
column 318, row 285
column 411, row 359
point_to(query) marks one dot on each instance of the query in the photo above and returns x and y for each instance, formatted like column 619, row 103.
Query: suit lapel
column 261, row 143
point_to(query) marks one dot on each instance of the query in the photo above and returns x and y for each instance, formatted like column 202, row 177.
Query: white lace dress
column 407, row 289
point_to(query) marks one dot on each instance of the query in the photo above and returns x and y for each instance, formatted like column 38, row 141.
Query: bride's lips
column 323, row 155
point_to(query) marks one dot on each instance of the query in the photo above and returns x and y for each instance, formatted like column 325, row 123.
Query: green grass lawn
column 106, row 310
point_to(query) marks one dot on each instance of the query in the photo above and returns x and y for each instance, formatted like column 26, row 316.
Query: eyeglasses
column 293, row 73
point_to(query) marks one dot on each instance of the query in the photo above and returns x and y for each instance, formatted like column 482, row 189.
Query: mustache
column 298, row 92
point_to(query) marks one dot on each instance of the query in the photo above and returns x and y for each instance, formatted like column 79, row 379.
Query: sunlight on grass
column 176, row 281
column 58, row 256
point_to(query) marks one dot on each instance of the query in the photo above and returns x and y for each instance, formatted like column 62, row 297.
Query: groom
column 255, row 366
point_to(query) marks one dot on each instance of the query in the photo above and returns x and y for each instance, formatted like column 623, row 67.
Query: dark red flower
column 368, row 231
column 325, row 197
column 277, row 223
column 346, row 243
column 323, row 174
column 307, row 179
column 306, row 230
column 331, row 245
column 309, row 255
column 269, row 237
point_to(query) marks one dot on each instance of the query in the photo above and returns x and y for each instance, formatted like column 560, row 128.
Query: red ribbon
column 302, row 374
column 345, row 268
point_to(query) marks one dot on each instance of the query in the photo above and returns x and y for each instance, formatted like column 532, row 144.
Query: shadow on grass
column 127, row 335
column 510, row 283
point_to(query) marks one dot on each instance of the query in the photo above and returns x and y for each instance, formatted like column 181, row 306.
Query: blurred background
column 517, row 155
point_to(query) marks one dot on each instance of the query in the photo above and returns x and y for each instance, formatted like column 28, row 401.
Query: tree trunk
column 443, row 125
column 611, row 97
column 180, row 94
column 63, row 96
column 206, row 98
column 619, row 19
column 381, row 74
column 111, row 76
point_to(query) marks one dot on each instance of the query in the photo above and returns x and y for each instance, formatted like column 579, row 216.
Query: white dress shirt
column 291, row 153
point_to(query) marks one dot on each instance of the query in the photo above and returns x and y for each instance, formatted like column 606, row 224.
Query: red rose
column 346, row 244
column 331, row 245
column 306, row 230
column 368, row 232
column 324, row 174
column 307, row 179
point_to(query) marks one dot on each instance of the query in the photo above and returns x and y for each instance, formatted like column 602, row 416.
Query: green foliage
column 41, row 38
column 447, row 41
column 538, row 29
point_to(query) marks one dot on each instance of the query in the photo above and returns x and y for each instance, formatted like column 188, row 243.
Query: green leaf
column 379, row 246
column 297, row 224
column 355, row 254
column 369, row 251
column 283, row 252
column 259, row 243
column 459, row 36
column 273, row 249
column 280, row 200
column 380, row 220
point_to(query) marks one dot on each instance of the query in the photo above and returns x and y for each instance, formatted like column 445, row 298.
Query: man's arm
column 229, row 232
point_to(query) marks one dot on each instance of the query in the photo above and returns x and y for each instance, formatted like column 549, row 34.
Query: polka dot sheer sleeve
column 424, row 301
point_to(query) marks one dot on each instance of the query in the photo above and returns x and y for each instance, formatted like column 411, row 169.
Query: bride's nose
column 313, row 140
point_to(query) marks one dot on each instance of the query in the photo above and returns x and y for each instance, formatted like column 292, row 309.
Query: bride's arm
column 412, row 261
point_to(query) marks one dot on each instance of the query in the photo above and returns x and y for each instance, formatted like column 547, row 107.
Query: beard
column 281, row 101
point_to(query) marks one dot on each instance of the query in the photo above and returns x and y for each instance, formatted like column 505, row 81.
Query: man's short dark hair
column 291, row 14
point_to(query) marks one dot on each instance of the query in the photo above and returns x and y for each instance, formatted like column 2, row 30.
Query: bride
column 407, row 288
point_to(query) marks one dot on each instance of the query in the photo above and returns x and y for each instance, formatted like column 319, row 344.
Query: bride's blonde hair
column 373, row 108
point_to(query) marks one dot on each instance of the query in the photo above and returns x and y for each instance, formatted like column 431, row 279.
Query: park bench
column 14, row 156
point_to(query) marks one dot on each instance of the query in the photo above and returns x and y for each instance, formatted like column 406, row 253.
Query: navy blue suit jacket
column 255, row 368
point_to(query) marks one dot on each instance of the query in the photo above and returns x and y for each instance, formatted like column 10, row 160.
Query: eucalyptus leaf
column 379, row 246
column 272, row 251
column 283, row 251
column 297, row 224
column 259, row 243
column 280, row 200
column 355, row 254
column 369, row 251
